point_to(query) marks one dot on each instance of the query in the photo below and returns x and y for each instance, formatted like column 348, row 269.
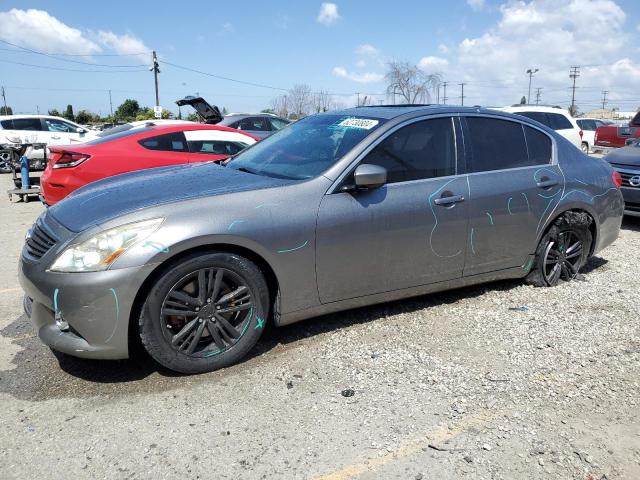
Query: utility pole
column 4, row 98
column 574, row 73
column 531, row 72
column 358, row 104
column 604, row 98
column 438, row 95
column 156, row 70
column 444, row 95
column 462, row 93
column 538, row 95
column 110, row 105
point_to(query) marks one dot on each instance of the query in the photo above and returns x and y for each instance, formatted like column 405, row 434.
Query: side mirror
column 369, row 176
column 80, row 130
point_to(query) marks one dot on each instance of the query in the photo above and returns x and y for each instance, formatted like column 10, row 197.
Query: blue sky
column 341, row 47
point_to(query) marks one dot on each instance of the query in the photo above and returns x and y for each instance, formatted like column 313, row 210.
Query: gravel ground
column 497, row 381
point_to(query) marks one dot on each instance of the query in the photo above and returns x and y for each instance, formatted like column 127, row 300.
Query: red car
column 72, row 166
column 616, row 136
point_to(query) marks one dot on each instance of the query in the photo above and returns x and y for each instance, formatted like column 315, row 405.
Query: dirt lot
column 497, row 381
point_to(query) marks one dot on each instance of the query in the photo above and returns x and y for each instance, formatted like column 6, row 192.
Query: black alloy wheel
column 562, row 258
column 206, row 312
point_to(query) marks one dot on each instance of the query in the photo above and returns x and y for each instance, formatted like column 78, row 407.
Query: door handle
column 546, row 183
column 449, row 200
column 55, row 137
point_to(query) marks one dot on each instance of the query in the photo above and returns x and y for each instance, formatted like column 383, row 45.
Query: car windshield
column 305, row 148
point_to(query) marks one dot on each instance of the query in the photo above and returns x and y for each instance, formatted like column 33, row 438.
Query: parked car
column 338, row 210
column 626, row 161
column 608, row 137
column 555, row 118
column 121, row 127
column 71, row 167
column 588, row 127
column 45, row 129
column 260, row 125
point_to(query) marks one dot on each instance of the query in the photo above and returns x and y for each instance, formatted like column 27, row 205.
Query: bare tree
column 409, row 82
column 300, row 100
column 280, row 105
column 322, row 101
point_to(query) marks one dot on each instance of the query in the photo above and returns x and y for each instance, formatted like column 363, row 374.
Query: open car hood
column 210, row 114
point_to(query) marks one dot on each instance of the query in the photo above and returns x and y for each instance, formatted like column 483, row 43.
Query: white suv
column 555, row 118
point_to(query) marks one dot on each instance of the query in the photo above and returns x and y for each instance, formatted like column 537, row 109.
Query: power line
column 50, row 55
column 223, row 78
column 71, row 69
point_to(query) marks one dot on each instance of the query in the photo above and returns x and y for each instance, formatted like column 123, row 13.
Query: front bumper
column 95, row 305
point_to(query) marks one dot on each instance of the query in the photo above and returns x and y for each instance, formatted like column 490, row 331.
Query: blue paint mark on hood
column 106, row 199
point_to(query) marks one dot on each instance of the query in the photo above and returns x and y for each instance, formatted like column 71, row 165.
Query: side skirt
column 298, row 315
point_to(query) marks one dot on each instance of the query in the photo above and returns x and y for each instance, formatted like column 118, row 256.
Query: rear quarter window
column 539, row 146
column 170, row 142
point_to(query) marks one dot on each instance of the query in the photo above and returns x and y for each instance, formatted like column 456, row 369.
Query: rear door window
column 420, row 150
column 23, row 124
column 256, row 124
column 559, row 122
column 537, row 116
column 496, row 144
column 170, row 142
column 277, row 124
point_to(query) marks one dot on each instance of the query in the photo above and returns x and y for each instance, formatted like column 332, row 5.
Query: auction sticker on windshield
column 364, row 123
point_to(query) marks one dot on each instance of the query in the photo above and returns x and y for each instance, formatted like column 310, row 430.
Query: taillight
column 581, row 134
column 617, row 179
column 595, row 137
column 67, row 159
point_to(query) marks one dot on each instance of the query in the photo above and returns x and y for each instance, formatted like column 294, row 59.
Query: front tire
column 562, row 251
column 205, row 312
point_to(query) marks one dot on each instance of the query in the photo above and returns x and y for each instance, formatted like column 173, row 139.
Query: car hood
column 625, row 156
column 106, row 199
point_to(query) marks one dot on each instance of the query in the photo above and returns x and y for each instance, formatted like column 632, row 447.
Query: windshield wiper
column 246, row 170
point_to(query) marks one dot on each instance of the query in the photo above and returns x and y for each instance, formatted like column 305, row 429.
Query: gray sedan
column 339, row 210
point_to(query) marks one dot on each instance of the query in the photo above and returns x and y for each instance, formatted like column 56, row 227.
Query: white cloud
column 328, row 14
column 476, row 4
column 551, row 36
column 366, row 77
column 227, row 28
column 433, row 64
column 442, row 48
column 125, row 44
column 367, row 50
column 40, row 31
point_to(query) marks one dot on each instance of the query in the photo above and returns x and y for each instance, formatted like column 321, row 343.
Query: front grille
column 40, row 241
column 626, row 177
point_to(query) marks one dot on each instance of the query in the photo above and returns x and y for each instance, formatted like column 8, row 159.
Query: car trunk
column 209, row 114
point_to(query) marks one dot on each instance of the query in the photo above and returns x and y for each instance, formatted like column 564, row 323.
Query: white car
column 555, row 118
column 589, row 127
column 140, row 124
column 15, row 129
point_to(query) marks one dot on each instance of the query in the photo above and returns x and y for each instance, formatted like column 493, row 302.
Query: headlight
column 100, row 251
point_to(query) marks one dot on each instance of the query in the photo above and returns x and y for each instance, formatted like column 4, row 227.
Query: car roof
column 389, row 112
column 534, row 108
column 10, row 117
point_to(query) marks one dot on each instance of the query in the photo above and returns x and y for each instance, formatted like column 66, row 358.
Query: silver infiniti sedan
column 338, row 210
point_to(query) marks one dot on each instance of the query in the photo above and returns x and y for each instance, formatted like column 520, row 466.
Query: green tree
column 128, row 110
column 193, row 117
column 523, row 100
column 83, row 117
column 6, row 111
column 54, row 112
column 149, row 114
column 225, row 111
column 68, row 113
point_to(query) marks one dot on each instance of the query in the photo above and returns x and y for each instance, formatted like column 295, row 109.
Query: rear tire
column 562, row 251
column 205, row 313
column 585, row 148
